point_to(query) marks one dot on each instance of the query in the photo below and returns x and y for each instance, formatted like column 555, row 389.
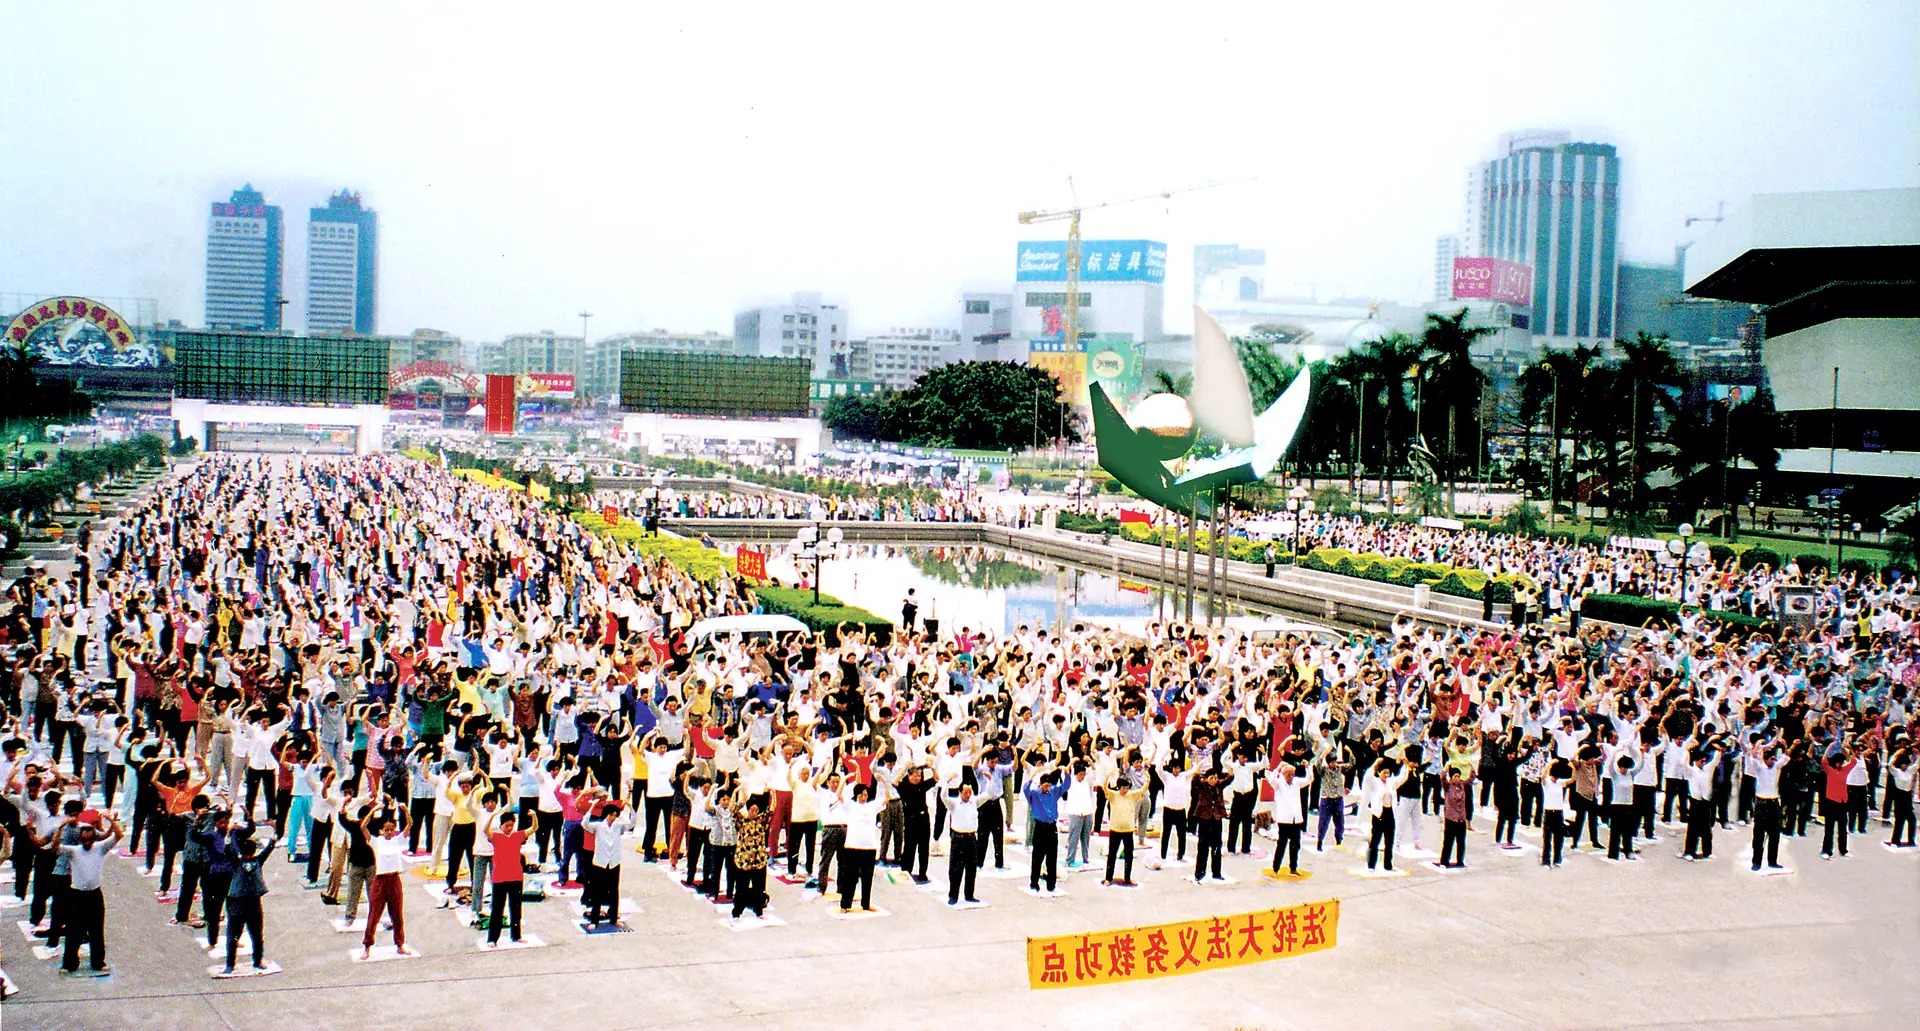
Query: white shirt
column 863, row 825
column 387, row 854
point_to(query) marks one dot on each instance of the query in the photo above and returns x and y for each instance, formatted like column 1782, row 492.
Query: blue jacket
column 1044, row 803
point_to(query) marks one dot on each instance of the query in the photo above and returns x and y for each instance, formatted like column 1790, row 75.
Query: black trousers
column 86, row 922
column 1288, row 845
column 421, row 811
column 459, row 843
column 1552, row 836
column 258, row 781
column 1045, row 851
column 1643, row 805
column 798, row 833
column 1453, row 843
column 1620, row 829
column 1173, row 821
column 1207, row 839
column 1900, row 807
column 963, row 862
column 992, row 830
column 322, row 841
column 546, row 832
column 1766, row 831
column 173, row 838
column 1699, row 829
column 913, row 856
column 1240, row 822
column 243, row 914
column 1833, row 815
column 506, row 903
column 696, row 853
column 191, row 873
column 1381, row 839
column 719, row 860
column 213, row 901
column 749, row 891
column 856, row 871
column 1117, row 842
column 1676, row 788
column 659, row 813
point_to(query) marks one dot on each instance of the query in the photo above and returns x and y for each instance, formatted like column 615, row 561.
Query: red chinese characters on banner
column 500, row 406
column 750, row 562
column 610, row 514
column 1185, row 947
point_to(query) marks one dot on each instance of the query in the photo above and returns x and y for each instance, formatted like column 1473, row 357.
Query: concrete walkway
column 1504, row 944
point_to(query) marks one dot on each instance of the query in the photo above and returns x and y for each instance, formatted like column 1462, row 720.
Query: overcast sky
column 663, row 164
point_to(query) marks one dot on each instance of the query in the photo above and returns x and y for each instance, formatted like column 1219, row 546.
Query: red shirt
column 1837, row 779
column 506, row 855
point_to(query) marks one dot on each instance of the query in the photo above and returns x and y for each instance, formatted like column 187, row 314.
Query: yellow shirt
column 461, row 814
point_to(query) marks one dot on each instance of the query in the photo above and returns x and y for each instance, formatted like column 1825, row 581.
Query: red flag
column 1134, row 515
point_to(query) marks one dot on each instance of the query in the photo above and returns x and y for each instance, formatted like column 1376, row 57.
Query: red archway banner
column 500, row 407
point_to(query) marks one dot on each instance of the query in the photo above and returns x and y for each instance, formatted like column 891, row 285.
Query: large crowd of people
column 368, row 664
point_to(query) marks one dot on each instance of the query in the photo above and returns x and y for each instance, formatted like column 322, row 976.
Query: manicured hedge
column 1404, row 572
column 826, row 617
column 701, row 563
column 1761, row 555
column 1633, row 610
column 1239, row 549
column 1078, row 523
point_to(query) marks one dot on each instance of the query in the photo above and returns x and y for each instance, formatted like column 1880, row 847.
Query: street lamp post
column 1686, row 557
column 19, row 455
column 653, row 502
column 809, row 545
column 1297, row 504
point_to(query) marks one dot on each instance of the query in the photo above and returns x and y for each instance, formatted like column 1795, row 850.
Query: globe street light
column 808, row 545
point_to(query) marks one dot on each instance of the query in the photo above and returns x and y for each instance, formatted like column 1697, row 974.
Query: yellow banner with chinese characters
column 1182, row 947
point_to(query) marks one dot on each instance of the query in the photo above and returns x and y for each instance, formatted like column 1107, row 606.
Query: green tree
column 1552, row 389
column 1451, row 407
column 32, row 397
column 1648, row 384
column 999, row 406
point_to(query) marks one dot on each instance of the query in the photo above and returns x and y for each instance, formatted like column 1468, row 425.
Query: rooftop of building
column 1813, row 257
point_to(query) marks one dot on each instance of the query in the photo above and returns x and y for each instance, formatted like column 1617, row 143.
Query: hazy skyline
column 662, row 168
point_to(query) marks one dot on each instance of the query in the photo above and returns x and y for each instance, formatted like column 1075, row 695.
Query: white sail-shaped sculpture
column 1221, row 400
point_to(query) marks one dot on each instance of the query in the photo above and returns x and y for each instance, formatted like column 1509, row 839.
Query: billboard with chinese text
column 1101, row 261
column 1067, row 363
column 1492, row 279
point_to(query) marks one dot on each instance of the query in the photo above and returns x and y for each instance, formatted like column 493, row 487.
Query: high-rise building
column 900, row 356
column 807, row 328
column 1445, row 249
column 342, row 252
column 1228, row 272
column 1553, row 204
column 986, row 324
column 599, row 374
column 245, row 252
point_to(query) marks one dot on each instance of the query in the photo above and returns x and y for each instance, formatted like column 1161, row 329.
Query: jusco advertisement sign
column 1493, row 279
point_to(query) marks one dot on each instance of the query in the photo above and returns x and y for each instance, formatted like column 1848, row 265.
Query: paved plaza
column 1504, row 944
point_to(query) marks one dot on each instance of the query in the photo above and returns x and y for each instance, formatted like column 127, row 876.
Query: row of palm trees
column 1626, row 428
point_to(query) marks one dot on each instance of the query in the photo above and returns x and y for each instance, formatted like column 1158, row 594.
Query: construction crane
column 1070, row 310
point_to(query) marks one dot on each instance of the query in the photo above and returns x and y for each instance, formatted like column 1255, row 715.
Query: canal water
column 985, row 587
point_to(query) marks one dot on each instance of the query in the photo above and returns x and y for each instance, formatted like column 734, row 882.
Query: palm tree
column 1456, row 383
column 1551, row 389
column 1652, row 382
column 1380, row 370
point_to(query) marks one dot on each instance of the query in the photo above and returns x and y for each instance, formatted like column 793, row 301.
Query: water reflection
column 986, row 587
